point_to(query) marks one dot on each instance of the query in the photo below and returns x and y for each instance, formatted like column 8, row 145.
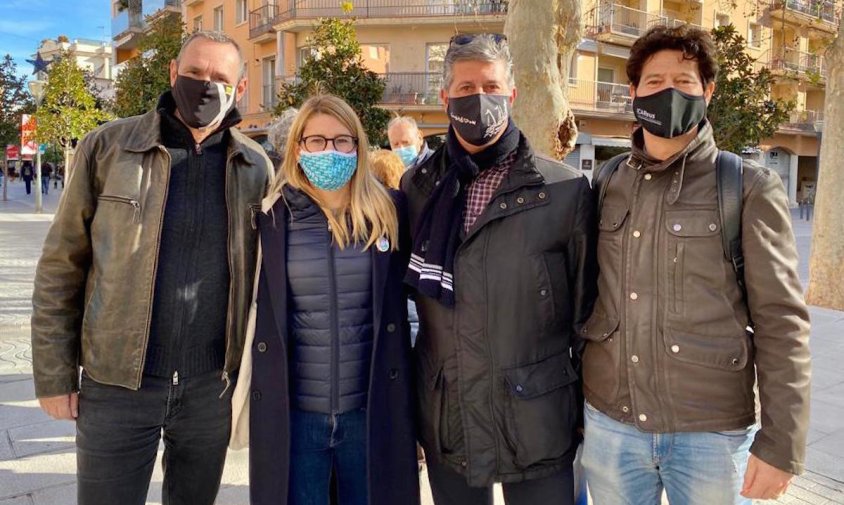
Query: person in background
column 329, row 388
column 277, row 133
column 406, row 141
column 46, row 172
column 27, row 174
column 387, row 167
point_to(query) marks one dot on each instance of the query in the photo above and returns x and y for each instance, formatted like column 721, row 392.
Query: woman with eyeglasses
column 327, row 384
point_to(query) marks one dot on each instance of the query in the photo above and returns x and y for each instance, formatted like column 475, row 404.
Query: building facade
column 92, row 55
column 405, row 41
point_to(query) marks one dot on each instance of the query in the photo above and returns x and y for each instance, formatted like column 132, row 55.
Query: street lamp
column 36, row 88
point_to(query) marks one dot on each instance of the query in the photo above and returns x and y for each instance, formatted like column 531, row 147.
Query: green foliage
column 147, row 76
column 335, row 66
column 742, row 111
column 14, row 101
column 69, row 109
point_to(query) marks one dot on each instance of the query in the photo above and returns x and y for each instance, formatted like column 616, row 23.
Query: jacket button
column 393, row 374
column 634, row 296
column 675, row 349
column 634, row 358
column 424, row 170
column 637, row 234
column 519, row 388
column 391, row 327
column 713, row 227
column 643, row 417
column 520, row 200
column 625, row 408
column 262, row 347
column 584, row 330
column 648, row 177
column 677, row 227
column 256, row 395
column 463, row 463
column 503, row 205
column 543, row 292
column 541, row 195
column 735, row 361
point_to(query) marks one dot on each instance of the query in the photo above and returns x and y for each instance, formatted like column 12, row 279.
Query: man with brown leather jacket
column 144, row 285
column 669, row 366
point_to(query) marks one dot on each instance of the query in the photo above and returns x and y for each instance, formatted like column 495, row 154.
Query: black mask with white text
column 203, row 104
column 478, row 118
column 670, row 112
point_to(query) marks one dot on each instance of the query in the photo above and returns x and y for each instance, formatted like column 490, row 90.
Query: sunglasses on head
column 464, row 38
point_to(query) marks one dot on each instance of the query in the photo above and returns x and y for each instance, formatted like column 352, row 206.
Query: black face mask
column 478, row 118
column 202, row 103
column 669, row 113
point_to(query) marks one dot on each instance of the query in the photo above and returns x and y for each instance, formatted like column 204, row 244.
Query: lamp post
column 36, row 88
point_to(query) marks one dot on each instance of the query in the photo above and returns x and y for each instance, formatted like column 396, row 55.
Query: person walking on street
column 329, row 356
column 46, row 172
column 503, row 274
column 681, row 336
column 27, row 174
column 144, row 283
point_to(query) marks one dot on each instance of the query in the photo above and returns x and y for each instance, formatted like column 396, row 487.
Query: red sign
column 13, row 152
column 28, row 135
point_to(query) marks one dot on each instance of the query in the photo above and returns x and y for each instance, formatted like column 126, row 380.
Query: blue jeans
column 625, row 466
column 321, row 443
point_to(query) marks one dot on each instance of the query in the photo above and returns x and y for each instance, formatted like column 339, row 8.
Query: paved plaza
column 37, row 460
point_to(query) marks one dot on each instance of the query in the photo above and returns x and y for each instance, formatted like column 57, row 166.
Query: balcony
column 289, row 10
column 154, row 7
column 803, row 120
column 790, row 62
column 402, row 89
column 262, row 21
column 817, row 14
column 619, row 24
column 125, row 23
column 602, row 97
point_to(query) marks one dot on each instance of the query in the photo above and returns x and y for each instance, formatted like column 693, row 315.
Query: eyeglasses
column 317, row 143
column 464, row 38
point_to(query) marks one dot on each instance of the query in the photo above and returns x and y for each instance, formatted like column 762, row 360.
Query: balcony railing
column 124, row 21
column 412, row 88
column 262, row 19
column 151, row 7
column 792, row 60
column 622, row 20
column 313, row 9
column 804, row 120
column 600, row 96
column 820, row 9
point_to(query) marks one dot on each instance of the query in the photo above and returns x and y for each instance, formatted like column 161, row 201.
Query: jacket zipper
column 151, row 295
column 226, row 364
column 136, row 218
column 335, row 328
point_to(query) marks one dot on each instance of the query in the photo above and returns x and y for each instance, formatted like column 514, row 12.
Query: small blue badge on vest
column 383, row 244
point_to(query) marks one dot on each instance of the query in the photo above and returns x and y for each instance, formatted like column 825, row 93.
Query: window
column 434, row 66
column 573, row 68
column 241, row 12
column 754, row 35
column 306, row 53
column 268, row 81
column 606, row 75
column 376, row 57
column 722, row 20
column 218, row 19
column 197, row 24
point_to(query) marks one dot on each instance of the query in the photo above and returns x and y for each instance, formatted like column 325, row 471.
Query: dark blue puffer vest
column 331, row 313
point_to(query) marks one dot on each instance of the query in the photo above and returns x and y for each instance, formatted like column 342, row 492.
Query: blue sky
column 25, row 23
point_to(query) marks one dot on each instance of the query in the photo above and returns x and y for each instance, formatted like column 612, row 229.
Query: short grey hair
column 481, row 48
column 402, row 119
column 213, row 36
column 279, row 129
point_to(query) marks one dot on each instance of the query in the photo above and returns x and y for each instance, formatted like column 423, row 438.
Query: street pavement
column 37, row 460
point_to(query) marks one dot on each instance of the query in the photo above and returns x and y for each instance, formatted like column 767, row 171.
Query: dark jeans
column 28, row 184
column 45, row 183
column 118, row 432
column 450, row 488
column 321, row 443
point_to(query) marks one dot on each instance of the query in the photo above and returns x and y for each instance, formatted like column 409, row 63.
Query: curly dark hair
column 696, row 45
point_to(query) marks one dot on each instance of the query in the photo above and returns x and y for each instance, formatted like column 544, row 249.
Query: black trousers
column 450, row 488
column 118, row 433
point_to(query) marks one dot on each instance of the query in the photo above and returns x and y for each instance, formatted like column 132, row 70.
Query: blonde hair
column 370, row 210
column 387, row 167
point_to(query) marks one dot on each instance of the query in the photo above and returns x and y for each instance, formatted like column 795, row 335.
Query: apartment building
column 405, row 41
column 92, row 55
column 130, row 19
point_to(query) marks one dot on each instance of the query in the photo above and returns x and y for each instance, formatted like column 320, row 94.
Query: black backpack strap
column 603, row 175
column 729, row 172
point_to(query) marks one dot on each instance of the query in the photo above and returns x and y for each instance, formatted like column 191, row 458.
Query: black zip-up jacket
column 498, row 390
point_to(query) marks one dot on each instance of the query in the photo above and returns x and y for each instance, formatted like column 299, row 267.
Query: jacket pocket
column 429, row 406
column 695, row 256
column 540, row 409
column 601, row 357
column 724, row 353
column 133, row 203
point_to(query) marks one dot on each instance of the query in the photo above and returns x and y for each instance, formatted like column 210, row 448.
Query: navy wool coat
column 393, row 473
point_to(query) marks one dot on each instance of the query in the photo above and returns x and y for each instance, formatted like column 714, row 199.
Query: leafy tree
column 68, row 110
column 335, row 66
column 147, row 76
column 742, row 111
column 14, row 101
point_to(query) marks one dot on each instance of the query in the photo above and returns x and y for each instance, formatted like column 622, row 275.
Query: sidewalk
column 37, row 462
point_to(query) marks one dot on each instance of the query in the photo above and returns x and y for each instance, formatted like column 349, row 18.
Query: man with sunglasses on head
column 145, row 283
column 503, row 275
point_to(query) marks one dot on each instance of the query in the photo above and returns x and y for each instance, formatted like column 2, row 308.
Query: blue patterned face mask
column 407, row 154
column 328, row 170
